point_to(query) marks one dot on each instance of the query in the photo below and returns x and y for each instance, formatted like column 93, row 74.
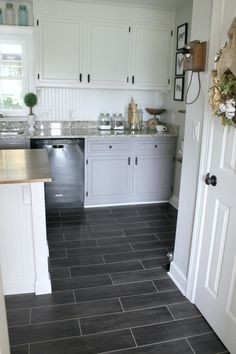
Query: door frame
column 206, row 151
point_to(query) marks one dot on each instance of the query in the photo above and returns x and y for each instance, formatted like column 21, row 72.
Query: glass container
column 23, row 16
column 134, row 119
column 117, row 121
column 9, row 14
column 104, row 121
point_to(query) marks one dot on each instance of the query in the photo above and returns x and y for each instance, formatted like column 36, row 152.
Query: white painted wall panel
column 86, row 104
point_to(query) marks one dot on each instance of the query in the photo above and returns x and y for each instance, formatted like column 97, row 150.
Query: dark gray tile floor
column 111, row 291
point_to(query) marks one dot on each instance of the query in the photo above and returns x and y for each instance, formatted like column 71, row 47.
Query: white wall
column 183, row 15
column 202, row 11
column 87, row 104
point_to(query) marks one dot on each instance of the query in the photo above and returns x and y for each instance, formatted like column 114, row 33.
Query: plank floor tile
column 111, row 291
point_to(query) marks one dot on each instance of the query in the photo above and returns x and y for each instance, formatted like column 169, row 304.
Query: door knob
column 211, row 180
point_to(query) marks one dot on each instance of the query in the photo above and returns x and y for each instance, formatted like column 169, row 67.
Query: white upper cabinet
column 60, row 52
column 107, row 57
column 102, row 54
column 150, row 63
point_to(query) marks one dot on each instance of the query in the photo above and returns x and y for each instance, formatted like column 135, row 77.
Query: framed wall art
column 182, row 33
column 179, row 89
column 179, row 60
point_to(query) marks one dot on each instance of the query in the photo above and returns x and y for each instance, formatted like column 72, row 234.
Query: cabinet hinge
column 87, row 162
column 38, row 76
column 37, row 22
column 86, row 194
column 129, row 29
column 171, row 33
column 168, row 81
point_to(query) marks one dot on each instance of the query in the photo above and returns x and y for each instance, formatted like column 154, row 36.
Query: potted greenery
column 31, row 100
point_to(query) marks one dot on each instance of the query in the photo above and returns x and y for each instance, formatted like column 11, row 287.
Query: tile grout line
column 130, row 244
column 80, row 328
column 69, row 272
column 112, row 283
column 140, row 261
column 155, row 286
column 121, row 305
column 171, row 312
column 133, row 337
column 190, row 345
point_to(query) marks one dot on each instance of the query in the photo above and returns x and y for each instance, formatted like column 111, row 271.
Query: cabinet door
column 108, row 180
column 153, row 177
column 150, row 66
column 108, row 54
column 60, row 51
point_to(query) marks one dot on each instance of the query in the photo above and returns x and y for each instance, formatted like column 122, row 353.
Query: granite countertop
column 94, row 133
column 24, row 166
column 68, row 130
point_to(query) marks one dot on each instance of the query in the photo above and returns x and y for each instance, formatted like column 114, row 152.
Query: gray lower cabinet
column 14, row 143
column 128, row 169
column 153, row 169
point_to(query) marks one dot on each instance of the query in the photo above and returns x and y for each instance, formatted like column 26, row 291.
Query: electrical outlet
column 71, row 114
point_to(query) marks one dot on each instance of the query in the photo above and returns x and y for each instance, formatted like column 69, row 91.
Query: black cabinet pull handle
column 129, row 161
column 110, row 146
column 88, row 77
column 211, row 180
column 127, row 79
column 133, row 79
column 80, row 77
column 58, row 146
column 155, row 146
column 136, row 160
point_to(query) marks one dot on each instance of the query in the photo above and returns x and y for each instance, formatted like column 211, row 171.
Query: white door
column 4, row 341
column 216, row 280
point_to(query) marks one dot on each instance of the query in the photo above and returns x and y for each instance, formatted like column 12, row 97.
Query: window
column 15, row 72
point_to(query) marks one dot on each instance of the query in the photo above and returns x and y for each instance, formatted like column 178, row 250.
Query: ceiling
column 169, row 4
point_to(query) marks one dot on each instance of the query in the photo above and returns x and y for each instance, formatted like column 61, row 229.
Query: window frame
column 22, row 36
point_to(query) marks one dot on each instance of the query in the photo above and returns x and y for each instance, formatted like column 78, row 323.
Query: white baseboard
column 121, row 204
column 178, row 277
column 174, row 201
column 43, row 287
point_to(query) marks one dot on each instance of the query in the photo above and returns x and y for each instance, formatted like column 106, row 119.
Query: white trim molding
column 174, row 201
column 178, row 277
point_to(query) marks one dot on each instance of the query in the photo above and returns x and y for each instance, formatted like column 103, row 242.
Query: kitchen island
column 23, row 242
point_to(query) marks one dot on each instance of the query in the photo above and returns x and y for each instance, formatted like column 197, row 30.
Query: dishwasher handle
column 57, row 146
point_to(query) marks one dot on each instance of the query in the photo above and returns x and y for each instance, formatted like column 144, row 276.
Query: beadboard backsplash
column 86, row 104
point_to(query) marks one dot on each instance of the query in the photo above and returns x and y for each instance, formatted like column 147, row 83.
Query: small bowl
column 155, row 111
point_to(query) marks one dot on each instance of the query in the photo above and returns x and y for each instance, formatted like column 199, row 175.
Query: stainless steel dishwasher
column 66, row 160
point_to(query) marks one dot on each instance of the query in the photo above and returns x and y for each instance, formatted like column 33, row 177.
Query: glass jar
column 1, row 17
column 23, row 16
column 117, row 121
column 104, row 121
column 9, row 14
